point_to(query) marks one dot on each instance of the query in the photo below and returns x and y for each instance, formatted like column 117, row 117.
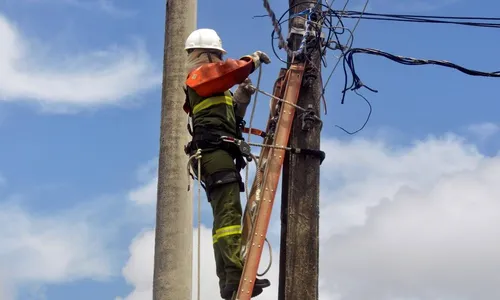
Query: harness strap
column 254, row 131
column 222, row 177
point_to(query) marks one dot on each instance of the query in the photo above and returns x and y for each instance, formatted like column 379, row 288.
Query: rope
column 197, row 156
column 282, row 44
column 279, row 99
column 250, row 131
column 270, row 259
column 277, row 27
column 270, row 146
column 257, row 173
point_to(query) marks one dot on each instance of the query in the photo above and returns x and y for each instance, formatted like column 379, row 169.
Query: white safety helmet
column 204, row 38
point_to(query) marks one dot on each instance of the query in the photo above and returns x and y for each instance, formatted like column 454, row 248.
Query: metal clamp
column 309, row 118
column 242, row 145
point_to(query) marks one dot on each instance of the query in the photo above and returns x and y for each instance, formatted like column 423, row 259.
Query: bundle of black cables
column 421, row 18
column 348, row 61
column 356, row 84
column 326, row 18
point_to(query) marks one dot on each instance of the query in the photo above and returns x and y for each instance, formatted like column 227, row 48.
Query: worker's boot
column 256, row 291
column 262, row 283
column 227, row 293
column 258, row 288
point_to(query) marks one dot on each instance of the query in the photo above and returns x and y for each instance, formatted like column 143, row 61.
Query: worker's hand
column 263, row 57
column 260, row 57
column 247, row 86
column 242, row 97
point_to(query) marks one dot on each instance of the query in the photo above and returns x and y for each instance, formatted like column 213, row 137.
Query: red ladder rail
column 255, row 192
column 270, row 181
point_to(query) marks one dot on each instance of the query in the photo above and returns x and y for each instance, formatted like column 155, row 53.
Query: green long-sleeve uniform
column 214, row 116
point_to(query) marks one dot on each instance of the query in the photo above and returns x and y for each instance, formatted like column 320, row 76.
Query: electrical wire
column 350, row 39
column 350, row 42
column 281, row 20
column 421, row 18
column 427, row 16
column 356, row 84
column 325, row 19
column 366, row 120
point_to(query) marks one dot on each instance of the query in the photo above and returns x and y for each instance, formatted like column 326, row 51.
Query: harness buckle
column 243, row 146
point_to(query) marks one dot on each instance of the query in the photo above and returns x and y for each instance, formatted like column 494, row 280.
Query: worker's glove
column 247, row 86
column 260, row 57
column 242, row 97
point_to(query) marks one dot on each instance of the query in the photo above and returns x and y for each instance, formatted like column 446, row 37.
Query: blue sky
column 79, row 129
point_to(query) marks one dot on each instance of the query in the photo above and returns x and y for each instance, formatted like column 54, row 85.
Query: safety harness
column 207, row 140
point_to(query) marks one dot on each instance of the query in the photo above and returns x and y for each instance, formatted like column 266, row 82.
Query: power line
column 352, row 12
column 351, row 39
column 326, row 18
column 420, row 18
column 332, row 41
column 357, row 84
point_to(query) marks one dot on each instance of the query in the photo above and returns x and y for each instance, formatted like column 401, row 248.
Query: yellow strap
column 209, row 102
column 226, row 231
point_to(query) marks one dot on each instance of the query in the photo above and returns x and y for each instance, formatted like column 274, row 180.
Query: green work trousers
column 227, row 212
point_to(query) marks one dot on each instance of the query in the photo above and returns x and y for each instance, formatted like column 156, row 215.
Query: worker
column 216, row 112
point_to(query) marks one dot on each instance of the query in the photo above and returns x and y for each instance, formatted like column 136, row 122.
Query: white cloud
column 146, row 192
column 417, row 222
column 101, row 77
column 359, row 174
column 484, row 130
column 37, row 249
column 139, row 268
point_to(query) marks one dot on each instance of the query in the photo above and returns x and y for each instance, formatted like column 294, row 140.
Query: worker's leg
column 224, row 197
column 223, row 186
column 219, row 262
column 222, row 182
column 227, row 221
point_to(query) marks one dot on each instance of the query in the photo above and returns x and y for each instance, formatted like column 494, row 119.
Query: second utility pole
column 172, row 279
column 299, row 254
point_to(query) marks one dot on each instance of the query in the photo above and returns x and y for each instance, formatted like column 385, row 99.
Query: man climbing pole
column 216, row 112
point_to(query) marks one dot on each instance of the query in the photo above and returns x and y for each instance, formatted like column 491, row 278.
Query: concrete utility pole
column 299, row 257
column 172, row 278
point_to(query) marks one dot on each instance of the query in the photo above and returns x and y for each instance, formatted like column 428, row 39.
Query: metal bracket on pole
column 297, row 30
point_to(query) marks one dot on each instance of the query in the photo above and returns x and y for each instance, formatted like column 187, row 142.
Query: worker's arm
column 214, row 78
